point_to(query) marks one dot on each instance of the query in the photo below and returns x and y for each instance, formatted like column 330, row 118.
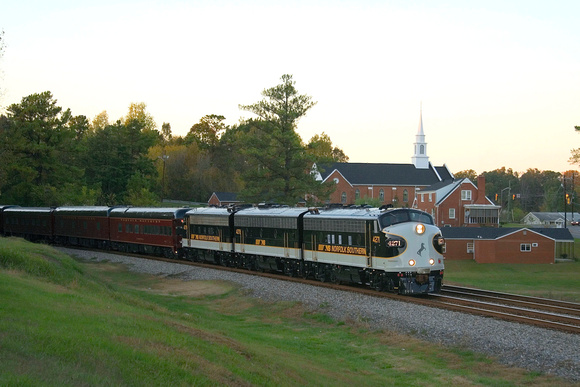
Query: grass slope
column 64, row 322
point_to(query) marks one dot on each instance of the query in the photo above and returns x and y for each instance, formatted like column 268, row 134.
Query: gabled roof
column 385, row 174
column 490, row 233
column 553, row 216
column 226, row 196
column 444, row 173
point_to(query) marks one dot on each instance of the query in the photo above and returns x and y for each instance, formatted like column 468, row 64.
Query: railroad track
column 541, row 312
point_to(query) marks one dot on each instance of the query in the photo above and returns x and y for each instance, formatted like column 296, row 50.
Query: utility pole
column 565, row 201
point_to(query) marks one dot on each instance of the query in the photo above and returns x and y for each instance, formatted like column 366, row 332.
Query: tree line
column 50, row 157
column 531, row 191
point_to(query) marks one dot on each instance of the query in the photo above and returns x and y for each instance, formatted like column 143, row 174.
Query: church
column 452, row 202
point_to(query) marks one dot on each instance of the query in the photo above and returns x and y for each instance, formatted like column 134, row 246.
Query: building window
column 470, row 248
column 405, row 196
column 343, row 197
column 356, row 194
column 430, row 197
column 422, row 198
column 452, row 213
column 422, row 149
column 382, row 195
column 525, row 247
column 465, row 194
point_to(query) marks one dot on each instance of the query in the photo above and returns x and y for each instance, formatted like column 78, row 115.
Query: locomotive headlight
column 412, row 262
column 420, row 228
column 431, row 261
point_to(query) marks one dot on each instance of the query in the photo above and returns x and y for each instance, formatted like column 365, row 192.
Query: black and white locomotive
column 396, row 250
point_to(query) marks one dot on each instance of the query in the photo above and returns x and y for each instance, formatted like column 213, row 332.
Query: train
column 397, row 250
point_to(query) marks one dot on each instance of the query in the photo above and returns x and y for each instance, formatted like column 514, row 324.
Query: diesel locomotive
column 396, row 250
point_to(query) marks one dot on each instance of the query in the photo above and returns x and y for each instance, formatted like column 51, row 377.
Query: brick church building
column 452, row 202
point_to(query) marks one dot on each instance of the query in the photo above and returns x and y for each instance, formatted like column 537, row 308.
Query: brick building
column 452, row 202
column 508, row 245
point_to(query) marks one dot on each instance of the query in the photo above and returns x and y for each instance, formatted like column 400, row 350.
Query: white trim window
column 470, row 248
column 525, row 247
column 465, row 194
column 452, row 213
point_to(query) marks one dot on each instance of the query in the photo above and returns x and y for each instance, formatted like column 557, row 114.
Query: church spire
column 420, row 158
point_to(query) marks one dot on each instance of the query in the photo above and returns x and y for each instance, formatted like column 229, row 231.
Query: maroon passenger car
column 147, row 230
column 2, row 208
column 82, row 226
column 32, row 223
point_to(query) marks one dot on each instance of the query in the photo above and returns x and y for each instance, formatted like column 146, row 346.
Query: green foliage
column 115, row 154
column 320, row 147
column 54, row 158
column 469, row 174
column 41, row 144
column 207, row 132
column 277, row 161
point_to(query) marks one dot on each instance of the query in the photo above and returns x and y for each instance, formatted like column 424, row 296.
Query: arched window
column 343, row 197
column 357, row 194
column 382, row 195
column 405, row 196
column 422, row 149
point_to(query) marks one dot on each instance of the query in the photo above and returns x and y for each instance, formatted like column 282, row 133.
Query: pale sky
column 499, row 81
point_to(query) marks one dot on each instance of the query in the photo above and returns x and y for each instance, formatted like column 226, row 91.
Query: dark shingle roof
column 383, row 174
column 559, row 234
column 226, row 196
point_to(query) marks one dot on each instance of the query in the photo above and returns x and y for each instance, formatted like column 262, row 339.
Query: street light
column 164, row 159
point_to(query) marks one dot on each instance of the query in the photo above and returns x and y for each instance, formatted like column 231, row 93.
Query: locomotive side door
column 286, row 247
column 314, row 248
column 240, row 235
column 369, row 243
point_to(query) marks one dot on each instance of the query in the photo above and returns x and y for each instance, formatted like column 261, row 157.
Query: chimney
column 481, row 190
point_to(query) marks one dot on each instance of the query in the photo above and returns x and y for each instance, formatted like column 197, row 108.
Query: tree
column 43, row 143
column 166, row 132
column 468, row 173
column 278, row 164
column 575, row 158
column 207, row 132
column 320, row 146
column 100, row 121
column 115, row 154
column 2, row 46
column 536, row 189
column 138, row 112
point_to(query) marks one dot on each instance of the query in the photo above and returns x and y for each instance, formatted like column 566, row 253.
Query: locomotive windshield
column 404, row 215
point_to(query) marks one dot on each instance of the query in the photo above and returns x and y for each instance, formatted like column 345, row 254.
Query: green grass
column 64, row 322
column 558, row 281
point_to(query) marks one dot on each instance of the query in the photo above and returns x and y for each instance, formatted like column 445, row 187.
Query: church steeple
column 420, row 158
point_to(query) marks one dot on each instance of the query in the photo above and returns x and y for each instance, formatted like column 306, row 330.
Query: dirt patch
column 177, row 287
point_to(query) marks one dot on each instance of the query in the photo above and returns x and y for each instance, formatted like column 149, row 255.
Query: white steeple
column 420, row 158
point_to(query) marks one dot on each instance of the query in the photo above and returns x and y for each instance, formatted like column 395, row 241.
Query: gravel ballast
column 513, row 344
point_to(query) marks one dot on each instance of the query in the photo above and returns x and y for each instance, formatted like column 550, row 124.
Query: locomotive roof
column 83, row 210
column 216, row 211
column 346, row 213
column 290, row 212
column 148, row 212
